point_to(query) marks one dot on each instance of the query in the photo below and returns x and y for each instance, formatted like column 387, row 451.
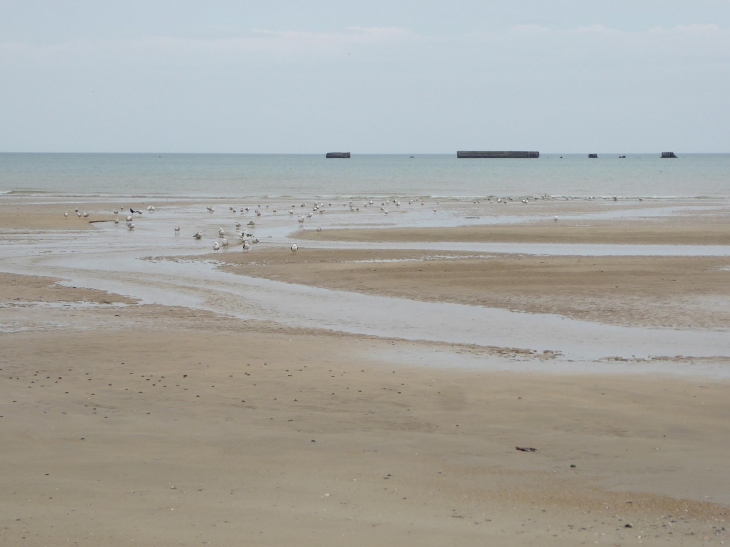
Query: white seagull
column 294, row 248
column 216, row 246
column 177, row 229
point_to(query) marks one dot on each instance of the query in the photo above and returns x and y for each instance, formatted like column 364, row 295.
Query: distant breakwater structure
column 668, row 155
column 338, row 155
column 496, row 154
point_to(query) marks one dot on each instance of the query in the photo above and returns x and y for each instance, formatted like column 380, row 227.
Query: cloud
column 596, row 45
column 257, row 44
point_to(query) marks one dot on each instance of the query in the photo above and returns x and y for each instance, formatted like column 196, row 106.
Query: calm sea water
column 259, row 175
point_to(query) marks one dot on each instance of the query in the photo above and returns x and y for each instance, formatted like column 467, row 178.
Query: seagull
column 291, row 212
column 224, row 242
column 238, row 224
column 116, row 211
column 198, row 235
column 300, row 219
column 216, row 246
column 150, row 208
column 65, row 214
column 130, row 225
column 555, row 219
column 177, row 229
column 246, row 246
column 78, row 214
column 86, row 214
column 251, row 223
column 319, row 228
column 116, row 221
column 210, row 209
column 129, row 218
column 76, row 209
column 294, row 248
column 221, row 232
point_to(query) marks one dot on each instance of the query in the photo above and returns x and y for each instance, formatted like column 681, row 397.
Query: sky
column 409, row 76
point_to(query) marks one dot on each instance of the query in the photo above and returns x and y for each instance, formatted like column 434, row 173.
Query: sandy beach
column 372, row 388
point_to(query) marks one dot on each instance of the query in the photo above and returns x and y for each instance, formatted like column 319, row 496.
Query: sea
column 300, row 175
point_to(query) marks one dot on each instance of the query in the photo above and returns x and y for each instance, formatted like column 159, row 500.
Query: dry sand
column 194, row 430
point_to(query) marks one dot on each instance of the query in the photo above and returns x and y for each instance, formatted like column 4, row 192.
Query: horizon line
column 324, row 153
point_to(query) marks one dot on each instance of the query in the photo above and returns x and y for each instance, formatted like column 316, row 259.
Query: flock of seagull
column 247, row 239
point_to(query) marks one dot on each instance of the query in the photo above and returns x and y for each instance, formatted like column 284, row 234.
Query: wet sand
column 642, row 291
column 130, row 417
column 710, row 231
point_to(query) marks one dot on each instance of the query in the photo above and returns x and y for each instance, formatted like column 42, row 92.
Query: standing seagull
column 65, row 214
column 294, row 248
column 177, row 229
column 216, row 246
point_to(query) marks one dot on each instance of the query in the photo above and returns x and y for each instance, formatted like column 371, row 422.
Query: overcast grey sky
column 370, row 77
